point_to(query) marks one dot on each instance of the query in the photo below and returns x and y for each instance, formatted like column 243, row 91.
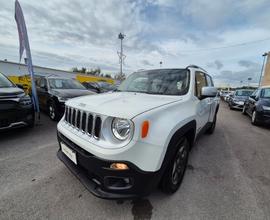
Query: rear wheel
column 213, row 126
column 175, row 171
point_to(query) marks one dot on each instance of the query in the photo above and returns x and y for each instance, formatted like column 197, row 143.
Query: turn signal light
column 145, row 128
column 119, row 166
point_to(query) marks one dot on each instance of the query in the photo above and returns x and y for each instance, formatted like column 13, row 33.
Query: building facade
column 16, row 69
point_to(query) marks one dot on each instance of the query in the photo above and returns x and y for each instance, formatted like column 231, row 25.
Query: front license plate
column 241, row 103
column 68, row 152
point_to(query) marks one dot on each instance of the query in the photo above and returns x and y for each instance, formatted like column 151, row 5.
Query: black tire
column 53, row 111
column 176, row 168
column 254, row 119
column 31, row 124
column 211, row 129
column 244, row 110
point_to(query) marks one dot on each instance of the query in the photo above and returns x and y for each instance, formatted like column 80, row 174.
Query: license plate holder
column 69, row 152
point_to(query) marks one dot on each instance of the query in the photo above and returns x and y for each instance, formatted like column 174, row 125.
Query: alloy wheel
column 179, row 164
column 52, row 111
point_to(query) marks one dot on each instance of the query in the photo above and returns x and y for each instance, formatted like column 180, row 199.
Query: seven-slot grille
column 83, row 121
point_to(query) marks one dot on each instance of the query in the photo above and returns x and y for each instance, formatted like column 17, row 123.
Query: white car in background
column 123, row 144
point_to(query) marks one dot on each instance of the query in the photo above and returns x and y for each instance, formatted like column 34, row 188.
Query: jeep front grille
column 85, row 122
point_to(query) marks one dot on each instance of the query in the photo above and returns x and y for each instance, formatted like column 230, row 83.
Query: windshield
column 65, row 84
column 243, row 92
column 165, row 82
column 4, row 82
column 266, row 93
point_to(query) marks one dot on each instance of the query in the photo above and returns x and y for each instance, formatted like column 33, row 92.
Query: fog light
column 119, row 166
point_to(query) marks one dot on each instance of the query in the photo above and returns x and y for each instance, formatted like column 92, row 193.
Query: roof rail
column 195, row 66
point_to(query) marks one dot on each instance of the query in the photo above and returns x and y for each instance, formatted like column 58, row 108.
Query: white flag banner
column 24, row 45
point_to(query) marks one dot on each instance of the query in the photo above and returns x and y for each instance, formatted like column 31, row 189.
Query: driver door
column 203, row 104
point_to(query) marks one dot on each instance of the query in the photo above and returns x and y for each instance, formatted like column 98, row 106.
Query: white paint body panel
column 166, row 115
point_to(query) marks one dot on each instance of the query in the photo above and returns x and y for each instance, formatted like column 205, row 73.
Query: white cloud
column 66, row 33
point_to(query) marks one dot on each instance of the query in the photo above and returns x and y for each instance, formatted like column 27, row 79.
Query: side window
column 200, row 81
column 43, row 83
column 209, row 81
column 37, row 81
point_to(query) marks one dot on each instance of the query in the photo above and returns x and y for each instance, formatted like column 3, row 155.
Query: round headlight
column 121, row 128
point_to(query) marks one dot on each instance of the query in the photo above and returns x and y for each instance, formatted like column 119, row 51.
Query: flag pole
column 25, row 46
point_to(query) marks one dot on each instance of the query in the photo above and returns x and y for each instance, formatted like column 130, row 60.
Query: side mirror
column 208, row 92
column 253, row 97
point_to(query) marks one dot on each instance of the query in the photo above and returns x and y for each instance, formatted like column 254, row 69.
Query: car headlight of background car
column 122, row 128
column 62, row 99
column 266, row 108
column 25, row 100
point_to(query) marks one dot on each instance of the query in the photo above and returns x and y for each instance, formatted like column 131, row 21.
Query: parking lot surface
column 228, row 177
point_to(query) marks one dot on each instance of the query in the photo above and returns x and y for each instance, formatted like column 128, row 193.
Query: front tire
column 175, row 170
column 53, row 111
column 244, row 110
column 254, row 119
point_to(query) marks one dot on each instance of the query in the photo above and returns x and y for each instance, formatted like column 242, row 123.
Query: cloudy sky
column 226, row 37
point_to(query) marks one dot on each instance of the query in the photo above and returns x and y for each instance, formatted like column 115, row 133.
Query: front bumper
column 102, row 181
column 237, row 105
column 13, row 115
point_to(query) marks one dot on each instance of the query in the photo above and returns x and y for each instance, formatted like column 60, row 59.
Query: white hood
column 121, row 104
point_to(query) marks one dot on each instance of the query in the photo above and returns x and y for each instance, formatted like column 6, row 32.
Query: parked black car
column 238, row 98
column 99, row 87
column 54, row 91
column 16, row 109
column 257, row 106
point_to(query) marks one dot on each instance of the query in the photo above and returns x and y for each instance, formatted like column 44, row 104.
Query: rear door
column 203, row 106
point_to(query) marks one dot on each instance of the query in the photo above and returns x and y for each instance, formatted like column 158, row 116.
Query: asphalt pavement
column 228, row 177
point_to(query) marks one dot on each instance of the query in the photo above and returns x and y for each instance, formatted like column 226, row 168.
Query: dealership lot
column 227, row 177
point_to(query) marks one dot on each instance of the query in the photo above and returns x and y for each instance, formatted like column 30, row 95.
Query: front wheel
column 175, row 171
column 53, row 111
column 254, row 118
column 244, row 110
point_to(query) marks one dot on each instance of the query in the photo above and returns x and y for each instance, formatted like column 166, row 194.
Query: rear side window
column 200, row 81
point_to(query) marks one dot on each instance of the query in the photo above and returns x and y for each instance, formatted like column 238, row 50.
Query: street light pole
column 120, row 54
column 264, row 56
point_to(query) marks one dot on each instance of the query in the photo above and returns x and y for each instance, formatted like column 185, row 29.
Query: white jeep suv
column 124, row 143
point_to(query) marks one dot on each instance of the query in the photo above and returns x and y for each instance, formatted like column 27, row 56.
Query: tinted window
column 43, row 82
column 265, row 93
column 200, row 82
column 163, row 82
column 4, row 82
